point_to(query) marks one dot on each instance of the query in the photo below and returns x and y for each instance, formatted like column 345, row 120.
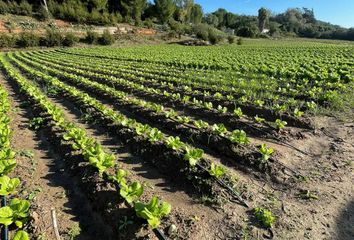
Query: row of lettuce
column 235, row 137
column 91, row 150
column 15, row 213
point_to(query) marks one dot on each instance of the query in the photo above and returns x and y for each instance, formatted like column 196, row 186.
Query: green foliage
column 7, row 41
column 8, row 185
column 52, row 38
column 193, row 155
column 21, row 235
column 16, row 212
column 216, row 170
column 91, row 37
column 239, row 137
column 70, row 39
column 266, row 152
column 106, row 38
column 174, row 143
column 131, row 192
column 36, row 123
column 279, row 124
column 265, row 217
column 153, row 211
column 164, row 9
column 27, row 39
column 231, row 39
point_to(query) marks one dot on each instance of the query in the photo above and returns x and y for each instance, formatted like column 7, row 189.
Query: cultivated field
column 223, row 142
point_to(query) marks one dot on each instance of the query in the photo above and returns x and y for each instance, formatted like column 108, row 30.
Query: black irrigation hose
column 278, row 139
column 223, row 184
column 5, row 229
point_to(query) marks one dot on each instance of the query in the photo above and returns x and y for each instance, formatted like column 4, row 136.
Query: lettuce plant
column 216, row 170
column 201, row 124
column 8, row 185
column 131, row 192
column 239, row 137
column 266, row 152
column 193, row 155
column 219, row 129
column 16, row 212
column 265, row 217
column 153, row 211
column 238, row 112
column 174, row 143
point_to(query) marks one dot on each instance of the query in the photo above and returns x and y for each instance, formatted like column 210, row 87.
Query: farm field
column 175, row 142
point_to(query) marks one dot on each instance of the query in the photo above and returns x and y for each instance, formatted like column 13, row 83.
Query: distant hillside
column 180, row 16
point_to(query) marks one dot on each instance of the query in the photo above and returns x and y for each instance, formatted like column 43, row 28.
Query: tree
column 164, row 9
column 212, row 19
column 134, row 9
column 196, row 15
column 184, row 10
column 263, row 15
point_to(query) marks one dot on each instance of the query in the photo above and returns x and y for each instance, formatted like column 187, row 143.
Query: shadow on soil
column 345, row 223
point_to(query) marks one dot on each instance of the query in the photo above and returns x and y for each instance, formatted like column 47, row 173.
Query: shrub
column 149, row 23
column 13, row 7
column 42, row 14
column 91, row 37
column 231, row 39
column 239, row 41
column 4, row 8
column 7, row 41
column 25, row 8
column 52, row 38
column 106, row 38
column 27, row 39
column 214, row 36
column 70, row 39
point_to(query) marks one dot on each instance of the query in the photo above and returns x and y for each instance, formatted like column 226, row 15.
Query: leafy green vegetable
column 239, row 136
column 131, row 192
column 266, row 152
column 216, row 170
column 193, row 155
column 153, row 211
column 265, row 217
column 8, row 185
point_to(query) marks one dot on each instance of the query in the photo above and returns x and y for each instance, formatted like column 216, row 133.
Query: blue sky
column 339, row 12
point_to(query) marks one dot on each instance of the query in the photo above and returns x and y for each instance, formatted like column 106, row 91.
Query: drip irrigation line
column 5, row 229
column 274, row 160
column 278, row 139
column 223, row 184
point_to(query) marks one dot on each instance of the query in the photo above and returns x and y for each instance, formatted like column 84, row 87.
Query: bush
column 214, row 36
column 52, row 38
column 239, row 41
column 7, row 41
column 25, row 8
column 13, row 7
column 91, row 37
column 4, row 8
column 231, row 39
column 70, row 39
column 27, row 39
column 106, row 38
column 42, row 14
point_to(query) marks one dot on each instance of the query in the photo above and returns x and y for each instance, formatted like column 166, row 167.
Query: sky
column 340, row 12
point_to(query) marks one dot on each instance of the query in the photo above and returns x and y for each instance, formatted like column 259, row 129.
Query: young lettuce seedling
column 266, row 153
column 265, row 217
column 193, row 155
column 153, row 211
column 239, row 136
column 216, row 170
